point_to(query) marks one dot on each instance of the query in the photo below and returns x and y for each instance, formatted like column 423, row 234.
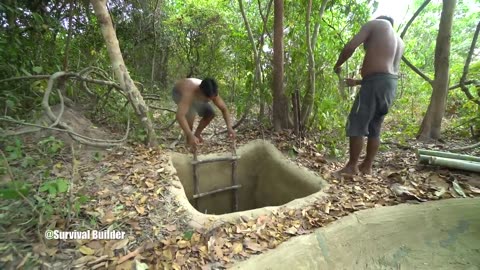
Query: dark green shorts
column 372, row 103
column 203, row 109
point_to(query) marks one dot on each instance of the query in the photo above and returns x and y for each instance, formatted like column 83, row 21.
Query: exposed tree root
column 56, row 119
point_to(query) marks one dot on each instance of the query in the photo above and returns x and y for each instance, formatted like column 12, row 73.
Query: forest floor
column 127, row 189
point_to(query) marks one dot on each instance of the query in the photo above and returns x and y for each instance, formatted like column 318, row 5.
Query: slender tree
column 308, row 99
column 432, row 122
column 120, row 70
column 280, row 104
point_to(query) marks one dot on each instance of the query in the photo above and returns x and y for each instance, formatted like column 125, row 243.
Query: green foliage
column 162, row 41
column 51, row 145
column 14, row 151
column 54, row 186
column 139, row 135
column 188, row 235
column 97, row 156
column 15, row 190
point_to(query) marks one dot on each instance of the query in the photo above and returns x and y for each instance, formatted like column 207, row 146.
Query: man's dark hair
column 209, row 87
column 390, row 19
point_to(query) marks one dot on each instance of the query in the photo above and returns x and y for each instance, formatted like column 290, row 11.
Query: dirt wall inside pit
column 266, row 176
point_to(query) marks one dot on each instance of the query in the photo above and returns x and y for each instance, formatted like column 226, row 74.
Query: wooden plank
column 196, row 185
column 234, row 177
column 196, row 196
column 215, row 160
column 234, row 183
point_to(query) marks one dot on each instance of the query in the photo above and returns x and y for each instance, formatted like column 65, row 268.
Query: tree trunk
column 309, row 97
column 257, row 78
column 431, row 124
column 120, row 70
column 11, row 14
column 154, row 45
column 62, row 84
column 280, row 104
column 163, row 68
column 463, row 79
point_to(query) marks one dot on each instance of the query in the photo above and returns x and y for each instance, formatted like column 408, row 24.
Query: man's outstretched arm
column 352, row 45
column 182, row 110
column 218, row 101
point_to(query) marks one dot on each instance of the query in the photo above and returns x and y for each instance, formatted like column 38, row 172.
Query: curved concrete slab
column 434, row 235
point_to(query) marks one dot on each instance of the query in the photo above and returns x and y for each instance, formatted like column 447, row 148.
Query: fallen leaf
column 474, row 189
column 183, row 243
column 94, row 245
column 140, row 209
column 120, row 244
column 143, row 199
column 171, row 227
column 53, row 251
column 127, row 265
column 237, row 247
column 458, row 188
column 150, row 184
column 218, row 251
column 140, row 266
column 326, row 208
column 39, row 249
column 108, row 218
column 8, row 258
column 249, row 244
column 292, row 231
column 84, row 260
column 168, row 254
column 440, row 191
column 86, row 250
column 203, row 250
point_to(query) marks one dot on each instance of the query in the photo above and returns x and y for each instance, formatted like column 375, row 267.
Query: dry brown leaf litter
column 129, row 191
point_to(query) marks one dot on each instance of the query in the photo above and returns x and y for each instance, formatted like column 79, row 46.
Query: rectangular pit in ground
column 266, row 176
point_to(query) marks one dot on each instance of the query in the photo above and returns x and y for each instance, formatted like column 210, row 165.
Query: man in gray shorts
column 192, row 97
column 383, row 52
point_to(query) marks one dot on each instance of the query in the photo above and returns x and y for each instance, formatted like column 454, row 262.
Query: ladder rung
column 196, row 196
column 195, row 162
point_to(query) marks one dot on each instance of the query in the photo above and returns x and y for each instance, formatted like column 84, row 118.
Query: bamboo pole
column 450, row 163
column 424, row 152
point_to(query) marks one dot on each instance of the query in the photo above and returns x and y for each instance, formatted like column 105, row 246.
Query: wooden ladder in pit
column 234, row 187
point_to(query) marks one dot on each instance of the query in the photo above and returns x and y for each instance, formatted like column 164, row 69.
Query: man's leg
column 374, row 129
column 190, row 119
column 385, row 93
column 356, row 145
column 207, row 113
column 357, row 128
column 372, row 148
column 201, row 126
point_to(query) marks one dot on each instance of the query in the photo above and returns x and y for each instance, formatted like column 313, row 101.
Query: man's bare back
column 384, row 48
column 190, row 87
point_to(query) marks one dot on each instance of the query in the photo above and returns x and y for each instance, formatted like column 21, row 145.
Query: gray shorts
column 372, row 103
column 203, row 109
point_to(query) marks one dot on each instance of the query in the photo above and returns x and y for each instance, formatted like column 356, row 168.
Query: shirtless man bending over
column 192, row 97
column 383, row 52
